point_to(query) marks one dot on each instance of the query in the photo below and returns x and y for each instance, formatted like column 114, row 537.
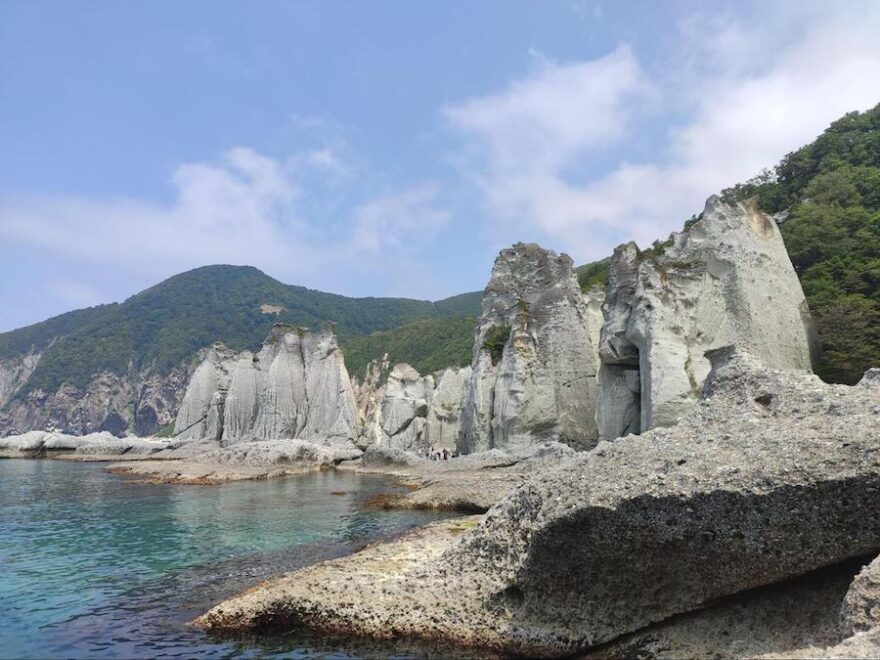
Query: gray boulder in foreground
column 861, row 606
column 773, row 474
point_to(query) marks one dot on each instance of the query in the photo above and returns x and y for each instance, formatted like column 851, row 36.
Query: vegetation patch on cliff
column 828, row 193
column 427, row 345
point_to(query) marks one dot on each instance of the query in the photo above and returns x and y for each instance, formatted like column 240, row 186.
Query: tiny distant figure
column 445, row 454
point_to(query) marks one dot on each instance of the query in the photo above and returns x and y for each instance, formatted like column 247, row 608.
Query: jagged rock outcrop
column 141, row 401
column 403, row 410
column 296, row 386
column 773, row 474
column 444, row 412
column 410, row 412
column 727, row 280
column 534, row 365
column 861, row 606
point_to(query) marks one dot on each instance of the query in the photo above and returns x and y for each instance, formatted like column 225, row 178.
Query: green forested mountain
column 829, row 193
column 427, row 345
column 168, row 323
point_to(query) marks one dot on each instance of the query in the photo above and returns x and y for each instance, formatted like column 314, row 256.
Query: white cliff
column 727, row 280
column 404, row 409
column 444, row 412
column 200, row 414
column 534, row 366
column 296, row 386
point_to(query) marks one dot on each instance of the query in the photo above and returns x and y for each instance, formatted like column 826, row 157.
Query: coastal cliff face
column 727, row 280
column 411, row 412
column 141, row 402
column 550, row 362
column 534, row 367
column 296, row 386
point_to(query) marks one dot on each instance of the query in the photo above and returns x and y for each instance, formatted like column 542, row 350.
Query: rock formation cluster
column 295, row 386
column 726, row 280
column 551, row 362
column 770, row 475
column 411, row 412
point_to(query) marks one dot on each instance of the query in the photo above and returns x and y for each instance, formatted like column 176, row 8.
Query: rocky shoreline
column 758, row 485
column 658, row 472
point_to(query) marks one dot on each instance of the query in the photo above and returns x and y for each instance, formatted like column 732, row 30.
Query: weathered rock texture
column 140, row 401
column 727, row 280
column 772, row 475
column 534, row 365
column 409, row 411
column 781, row 618
column 296, row 386
column 404, row 409
column 93, row 446
column 444, row 412
column 861, row 606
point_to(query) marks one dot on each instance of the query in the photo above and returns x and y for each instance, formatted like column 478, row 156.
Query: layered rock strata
column 727, row 280
column 773, row 474
column 296, row 386
column 534, row 365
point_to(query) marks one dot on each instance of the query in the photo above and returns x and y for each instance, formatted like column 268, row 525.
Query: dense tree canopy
column 427, row 345
column 829, row 195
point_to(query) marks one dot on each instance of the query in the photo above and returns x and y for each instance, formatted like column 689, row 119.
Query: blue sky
column 388, row 148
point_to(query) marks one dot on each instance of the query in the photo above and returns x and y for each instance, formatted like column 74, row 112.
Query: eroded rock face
column 296, row 386
column 534, row 367
column 14, row 373
column 444, row 413
column 368, row 394
column 772, row 475
column 404, row 409
column 861, row 606
column 201, row 414
column 140, row 401
column 410, row 412
column 727, row 280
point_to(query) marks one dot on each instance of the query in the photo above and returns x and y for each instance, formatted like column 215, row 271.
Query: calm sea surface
column 92, row 565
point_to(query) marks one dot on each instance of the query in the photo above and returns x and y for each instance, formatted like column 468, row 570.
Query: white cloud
column 247, row 208
column 396, row 220
column 541, row 122
column 748, row 103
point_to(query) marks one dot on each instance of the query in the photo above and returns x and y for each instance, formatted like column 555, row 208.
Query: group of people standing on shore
column 443, row 454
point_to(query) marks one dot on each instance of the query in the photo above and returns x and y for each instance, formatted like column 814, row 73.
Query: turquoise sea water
column 93, row 565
